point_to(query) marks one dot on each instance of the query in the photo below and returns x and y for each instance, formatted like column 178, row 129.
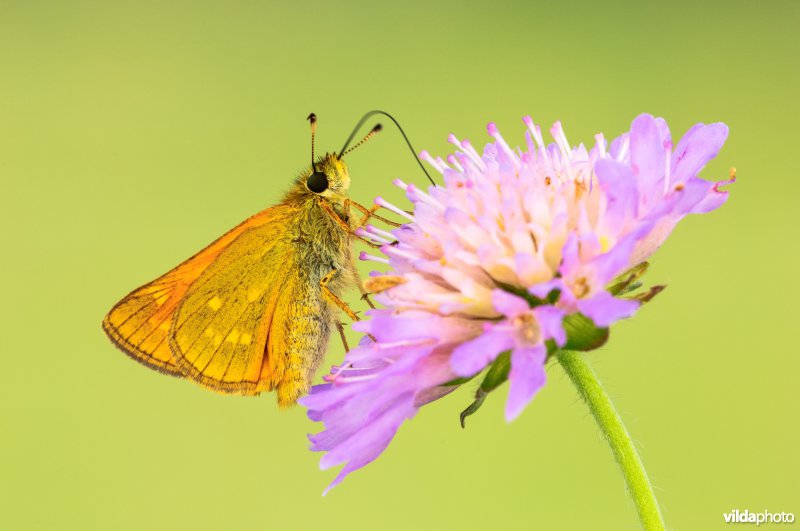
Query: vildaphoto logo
column 746, row 517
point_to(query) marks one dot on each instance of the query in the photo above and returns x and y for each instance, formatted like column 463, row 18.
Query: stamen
column 372, row 229
column 465, row 161
column 473, row 154
column 391, row 250
column 424, row 155
column 403, row 343
column 415, row 193
column 371, row 258
column 601, row 145
column 400, row 184
column 453, row 161
column 388, row 206
column 348, row 379
column 536, row 131
column 561, row 140
column 531, row 144
column 453, row 139
column 362, row 233
column 563, row 146
column 491, row 128
column 339, row 370
column 623, row 150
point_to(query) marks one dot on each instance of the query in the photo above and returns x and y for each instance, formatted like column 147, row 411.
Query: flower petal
column 509, row 304
column 526, row 377
column 604, row 309
column 714, row 199
column 701, row 144
column 473, row 356
column 550, row 320
column 622, row 196
column 607, row 266
column 647, row 153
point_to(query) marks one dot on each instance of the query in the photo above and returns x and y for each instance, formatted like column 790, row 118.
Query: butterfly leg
column 357, row 277
column 344, row 225
column 370, row 213
column 331, row 296
column 340, row 328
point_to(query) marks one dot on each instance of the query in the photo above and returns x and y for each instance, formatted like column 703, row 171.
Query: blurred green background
column 134, row 133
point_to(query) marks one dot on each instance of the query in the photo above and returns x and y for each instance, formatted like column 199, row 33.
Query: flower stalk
column 610, row 423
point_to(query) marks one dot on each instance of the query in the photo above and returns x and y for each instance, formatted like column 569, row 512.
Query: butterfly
column 254, row 310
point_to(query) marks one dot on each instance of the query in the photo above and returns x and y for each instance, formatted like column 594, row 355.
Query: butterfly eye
column 317, row 183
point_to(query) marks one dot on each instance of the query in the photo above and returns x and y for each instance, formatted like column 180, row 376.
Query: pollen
column 581, row 287
column 528, row 329
column 382, row 283
column 215, row 303
column 605, row 245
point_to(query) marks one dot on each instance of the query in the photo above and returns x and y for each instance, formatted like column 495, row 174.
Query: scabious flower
column 516, row 243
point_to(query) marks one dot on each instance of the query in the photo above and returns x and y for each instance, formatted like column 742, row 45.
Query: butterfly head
column 328, row 177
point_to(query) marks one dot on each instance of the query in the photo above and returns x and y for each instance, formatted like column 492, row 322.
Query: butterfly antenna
column 375, row 130
column 389, row 116
column 312, row 118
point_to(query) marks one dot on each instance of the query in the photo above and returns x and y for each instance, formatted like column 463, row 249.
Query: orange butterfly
column 253, row 311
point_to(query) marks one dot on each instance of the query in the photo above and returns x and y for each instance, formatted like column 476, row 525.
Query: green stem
column 585, row 379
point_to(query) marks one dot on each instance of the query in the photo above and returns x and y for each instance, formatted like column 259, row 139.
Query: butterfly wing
column 229, row 333
column 140, row 323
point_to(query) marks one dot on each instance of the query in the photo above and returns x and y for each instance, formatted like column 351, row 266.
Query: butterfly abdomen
column 320, row 247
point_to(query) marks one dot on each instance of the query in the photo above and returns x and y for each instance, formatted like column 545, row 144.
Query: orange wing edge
column 138, row 355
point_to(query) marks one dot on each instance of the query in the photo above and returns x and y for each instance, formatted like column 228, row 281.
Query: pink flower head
column 514, row 243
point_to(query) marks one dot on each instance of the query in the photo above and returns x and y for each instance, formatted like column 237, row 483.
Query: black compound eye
column 317, row 183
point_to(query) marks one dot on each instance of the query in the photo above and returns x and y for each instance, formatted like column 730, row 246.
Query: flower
column 514, row 245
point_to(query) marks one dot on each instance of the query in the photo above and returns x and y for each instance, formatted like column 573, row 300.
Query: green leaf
column 623, row 283
column 533, row 300
column 648, row 295
column 480, row 396
column 495, row 376
column 582, row 334
column 458, row 381
column 630, row 287
column 498, row 372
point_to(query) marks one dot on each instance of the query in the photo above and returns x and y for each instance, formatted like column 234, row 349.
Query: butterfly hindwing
column 139, row 323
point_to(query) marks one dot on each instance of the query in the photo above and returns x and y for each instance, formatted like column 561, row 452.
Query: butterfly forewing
column 220, row 331
column 140, row 323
